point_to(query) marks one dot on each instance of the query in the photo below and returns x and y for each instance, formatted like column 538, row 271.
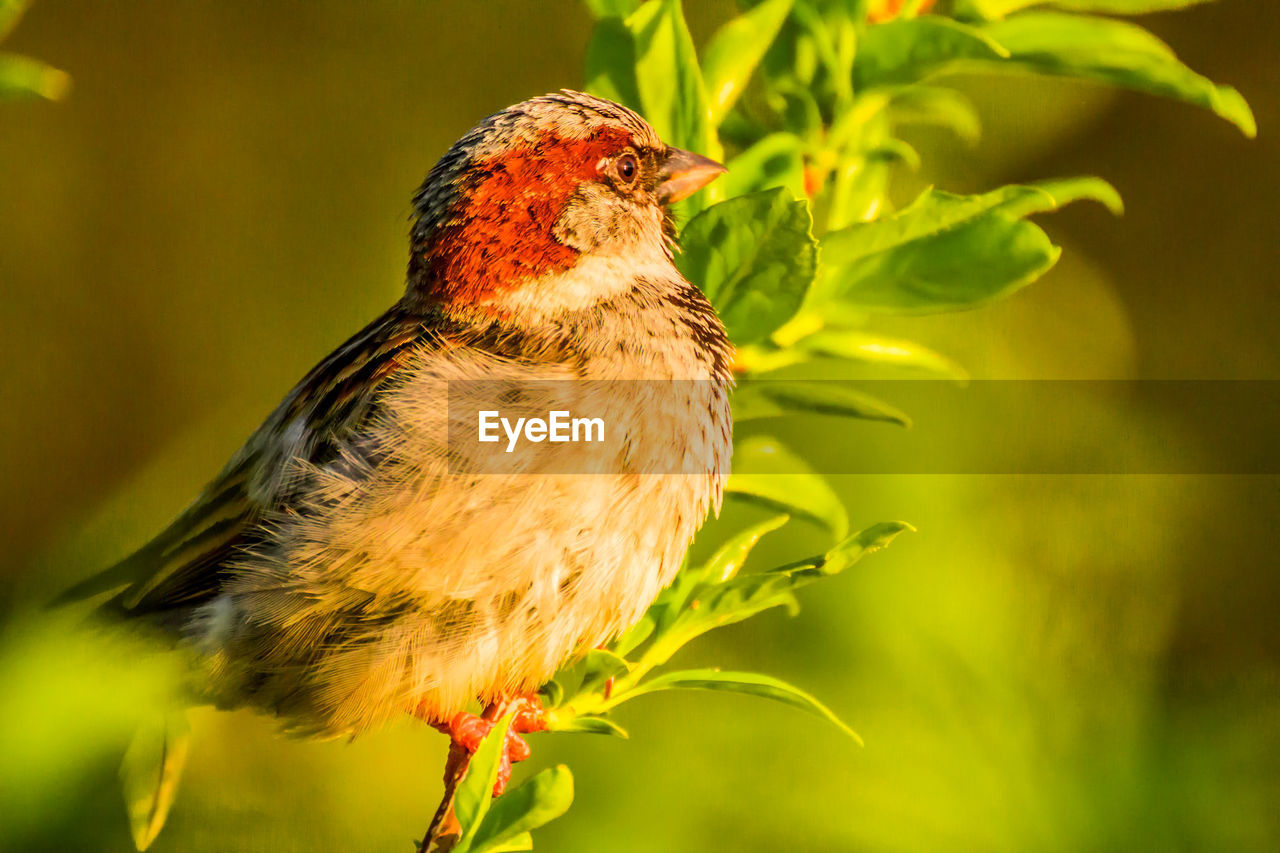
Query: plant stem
column 443, row 832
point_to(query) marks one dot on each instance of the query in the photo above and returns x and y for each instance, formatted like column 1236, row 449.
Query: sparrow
column 341, row 570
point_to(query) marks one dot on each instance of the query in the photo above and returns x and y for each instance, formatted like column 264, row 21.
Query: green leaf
column 536, row 803
column 831, row 40
column 515, row 844
column 599, row 666
column 716, row 605
column 610, row 8
column 552, row 693
column 846, row 553
column 993, row 9
column 611, row 64
column 474, row 793
column 736, row 49
column 754, row 257
column 906, row 50
column 150, row 772
column 862, row 346
column 569, row 721
column 21, row 76
column 948, row 252
column 728, row 559
column 750, row 683
column 769, row 399
column 798, row 109
column 754, row 359
column 934, row 212
column 1114, row 52
column 648, row 63
column 11, row 12
column 961, row 268
column 1049, row 195
column 894, row 151
column 635, row 635
column 937, row 106
column 774, row 161
column 668, row 79
column 722, row 566
column 767, row 473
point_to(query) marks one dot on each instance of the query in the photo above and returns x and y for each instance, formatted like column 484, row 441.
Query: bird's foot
column 466, row 731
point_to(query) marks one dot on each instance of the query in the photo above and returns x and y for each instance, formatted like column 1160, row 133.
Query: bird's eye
column 627, row 167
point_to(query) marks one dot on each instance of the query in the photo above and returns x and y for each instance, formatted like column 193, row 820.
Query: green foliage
column 736, row 49
column 150, row 772
column 497, row 825
column 71, row 700
column 705, row 597
column 798, row 246
column 21, row 76
column 1114, row 52
column 903, row 51
column 754, row 256
column 946, row 252
column 994, row 9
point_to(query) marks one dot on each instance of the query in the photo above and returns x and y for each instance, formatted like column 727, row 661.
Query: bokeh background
column 1051, row 663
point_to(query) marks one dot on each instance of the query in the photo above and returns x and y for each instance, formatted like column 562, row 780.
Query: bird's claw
column 466, row 731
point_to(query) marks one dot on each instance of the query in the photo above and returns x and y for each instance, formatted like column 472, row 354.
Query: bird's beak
column 683, row 173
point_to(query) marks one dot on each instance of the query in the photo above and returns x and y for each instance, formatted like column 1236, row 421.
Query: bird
column 346, row 566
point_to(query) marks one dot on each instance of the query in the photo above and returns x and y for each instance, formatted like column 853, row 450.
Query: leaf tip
column 1235, row 109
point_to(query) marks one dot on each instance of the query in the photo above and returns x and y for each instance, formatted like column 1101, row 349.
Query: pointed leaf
column 668, row 77
column 775, row 161
column 584, row 724
column 610, row 8
column 611, row 64
column 935, row 105
column 771, row 399
column 742, row 597
column 797, row 494
column 599, row 666
column 552, row 693
column 11, row 12
column 856, row 345
column 635, row 635
column 766, row 472
column 994, row 9
column 21, row 76
column 842, row 556
column 1115, row 52
column 729, row 557
column 750, row 683
column 909, row 49
column 719, row 605
column 536, row 803
column 947, row 252
column 736, row 49
column 934, row 212
column 150, row 772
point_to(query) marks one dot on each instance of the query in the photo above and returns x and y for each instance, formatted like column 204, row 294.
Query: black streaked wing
column 184, row 564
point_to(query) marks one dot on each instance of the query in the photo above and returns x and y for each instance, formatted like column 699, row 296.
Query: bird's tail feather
column 112, row 579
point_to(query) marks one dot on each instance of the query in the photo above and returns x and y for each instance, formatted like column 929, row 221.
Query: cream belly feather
column 403, row 585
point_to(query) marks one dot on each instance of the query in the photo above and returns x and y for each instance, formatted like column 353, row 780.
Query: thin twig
column 443, row 832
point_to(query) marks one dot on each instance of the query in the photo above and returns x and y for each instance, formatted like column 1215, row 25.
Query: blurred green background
column 1051, row 663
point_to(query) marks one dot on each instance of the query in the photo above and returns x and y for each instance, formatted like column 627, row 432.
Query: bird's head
column 553, row 204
